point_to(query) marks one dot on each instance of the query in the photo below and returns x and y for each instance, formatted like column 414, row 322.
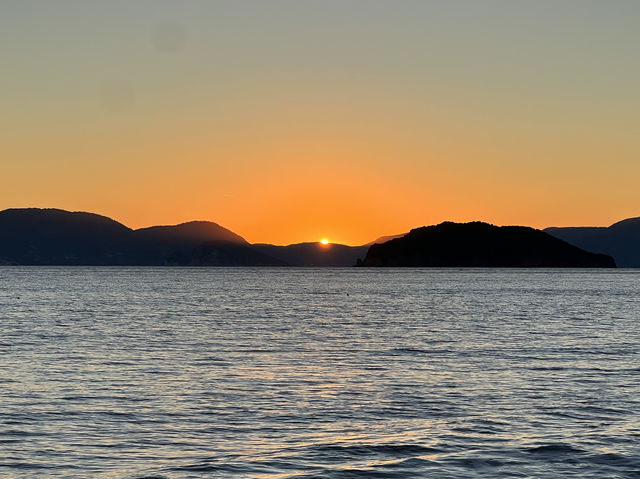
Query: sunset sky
column 289, row 121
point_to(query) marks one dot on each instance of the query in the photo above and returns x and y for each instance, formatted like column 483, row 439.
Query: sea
column 167, row 373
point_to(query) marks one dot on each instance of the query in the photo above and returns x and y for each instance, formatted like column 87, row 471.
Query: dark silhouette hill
column 314, row 254
column 191, row 232
column 180, row 244
column 621, row 240
column 480, row 244
column 35, row 236
column 56, row 237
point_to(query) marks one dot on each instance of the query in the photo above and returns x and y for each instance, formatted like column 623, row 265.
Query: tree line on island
column 33, row 236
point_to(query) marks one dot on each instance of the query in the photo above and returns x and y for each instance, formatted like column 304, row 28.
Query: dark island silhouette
column 480, row 244
column 620, row 240
column 33, row 236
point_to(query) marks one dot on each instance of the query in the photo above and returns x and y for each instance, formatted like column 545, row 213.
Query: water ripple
column 163, row 373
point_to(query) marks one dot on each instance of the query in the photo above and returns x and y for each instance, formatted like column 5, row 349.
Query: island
column 479, row 244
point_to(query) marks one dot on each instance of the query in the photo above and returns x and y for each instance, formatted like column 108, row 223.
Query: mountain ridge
column 51, row 236
column 59, row 237
column 621, row 240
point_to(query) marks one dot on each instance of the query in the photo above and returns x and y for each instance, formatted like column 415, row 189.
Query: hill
column 621, row 240
column 479, row 244
column 33, row 236
column 190, row 232
column 183, row 245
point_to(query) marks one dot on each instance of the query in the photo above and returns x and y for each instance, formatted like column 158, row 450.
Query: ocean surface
column 319, row 373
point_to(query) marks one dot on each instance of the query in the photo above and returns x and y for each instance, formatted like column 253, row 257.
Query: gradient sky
column 290, row 121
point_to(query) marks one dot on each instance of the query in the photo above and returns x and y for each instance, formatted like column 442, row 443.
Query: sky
column 290, row 121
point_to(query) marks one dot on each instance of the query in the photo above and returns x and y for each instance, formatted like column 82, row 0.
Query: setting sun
column 324, row 241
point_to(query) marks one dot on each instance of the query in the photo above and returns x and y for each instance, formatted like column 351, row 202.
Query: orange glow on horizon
column 294, row 186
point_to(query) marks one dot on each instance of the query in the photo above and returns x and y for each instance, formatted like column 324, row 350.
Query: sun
column 324, row 241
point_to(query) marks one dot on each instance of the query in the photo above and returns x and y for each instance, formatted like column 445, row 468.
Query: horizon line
column 318, row 241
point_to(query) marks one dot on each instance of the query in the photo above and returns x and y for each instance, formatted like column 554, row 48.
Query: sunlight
column 324, row 241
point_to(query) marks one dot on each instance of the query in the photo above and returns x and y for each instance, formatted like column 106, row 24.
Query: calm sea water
column 275, row 373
